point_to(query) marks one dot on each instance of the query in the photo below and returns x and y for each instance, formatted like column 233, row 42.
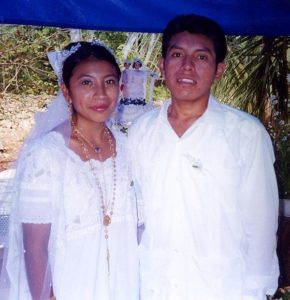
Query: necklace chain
column 96, row 148
column 107, row 210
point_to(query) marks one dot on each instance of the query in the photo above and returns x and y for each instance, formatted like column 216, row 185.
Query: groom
column 204, row 179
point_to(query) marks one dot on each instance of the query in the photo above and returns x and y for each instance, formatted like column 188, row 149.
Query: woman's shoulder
column 48, row 145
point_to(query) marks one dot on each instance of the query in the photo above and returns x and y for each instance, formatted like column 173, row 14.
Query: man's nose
column 188, row 62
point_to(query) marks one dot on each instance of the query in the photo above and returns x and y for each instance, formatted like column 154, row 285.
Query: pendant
column 97, row 149
column 106, row 220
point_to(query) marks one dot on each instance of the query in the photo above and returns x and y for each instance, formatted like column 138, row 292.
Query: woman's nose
column 100, row 90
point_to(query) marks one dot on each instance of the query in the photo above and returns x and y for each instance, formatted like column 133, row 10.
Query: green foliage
column 257, row 68
column 24, row 66
column 23, row 56
column 114, row 40
column 280, row 133
column 160, row 91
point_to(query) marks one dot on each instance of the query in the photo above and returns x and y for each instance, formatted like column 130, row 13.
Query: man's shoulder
column 145, row 121
column 237, row 117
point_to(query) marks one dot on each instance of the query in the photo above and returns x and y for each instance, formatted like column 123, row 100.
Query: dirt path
column 16, row 119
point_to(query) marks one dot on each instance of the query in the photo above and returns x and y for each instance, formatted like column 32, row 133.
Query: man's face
column 190, row 67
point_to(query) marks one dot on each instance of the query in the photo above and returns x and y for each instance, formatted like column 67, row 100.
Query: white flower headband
column 57, row 58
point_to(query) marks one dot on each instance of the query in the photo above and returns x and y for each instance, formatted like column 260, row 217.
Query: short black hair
column 86, row 50
column 198, row 25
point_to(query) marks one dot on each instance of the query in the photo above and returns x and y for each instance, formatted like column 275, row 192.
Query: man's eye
column 176, row 54
column 86, row 82
column 202, row 57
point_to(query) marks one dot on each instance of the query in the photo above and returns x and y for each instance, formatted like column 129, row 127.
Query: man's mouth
column 186, row 81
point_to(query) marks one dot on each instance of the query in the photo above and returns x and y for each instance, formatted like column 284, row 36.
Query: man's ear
column 161, row 66
column 220, row 70
column 65, row 92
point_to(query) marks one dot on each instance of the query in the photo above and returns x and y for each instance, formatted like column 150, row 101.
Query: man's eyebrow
column 203, row 49
column 174, row 46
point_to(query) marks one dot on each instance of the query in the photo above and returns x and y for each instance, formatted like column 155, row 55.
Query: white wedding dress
column 58, row 188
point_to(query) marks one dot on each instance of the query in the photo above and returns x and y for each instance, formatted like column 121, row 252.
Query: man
column 205, row 181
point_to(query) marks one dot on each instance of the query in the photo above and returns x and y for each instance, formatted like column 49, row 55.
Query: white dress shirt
column 209, row 203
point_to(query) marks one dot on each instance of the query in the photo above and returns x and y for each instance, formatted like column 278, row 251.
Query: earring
column 70, row 110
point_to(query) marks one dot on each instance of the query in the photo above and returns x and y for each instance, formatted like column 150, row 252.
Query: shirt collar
column 212, row 115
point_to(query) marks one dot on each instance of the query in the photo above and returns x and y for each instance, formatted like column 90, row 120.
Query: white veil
column 13, row 279
column 43, row 201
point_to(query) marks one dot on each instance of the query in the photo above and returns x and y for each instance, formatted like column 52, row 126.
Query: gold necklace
column 107, row 215
column 96, row 148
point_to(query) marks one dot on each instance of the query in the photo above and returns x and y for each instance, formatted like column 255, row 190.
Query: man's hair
column 197, row 25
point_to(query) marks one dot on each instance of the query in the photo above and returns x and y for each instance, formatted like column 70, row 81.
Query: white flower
column 288, row 78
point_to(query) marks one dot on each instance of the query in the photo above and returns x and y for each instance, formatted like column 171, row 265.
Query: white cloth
column 209, row 203
column 57, row 187
column 134, row 95
column 127, row 114
column 134, row 84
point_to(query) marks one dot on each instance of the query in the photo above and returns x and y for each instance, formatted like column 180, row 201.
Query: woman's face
column 137, row 65
column 93, row 90
column 127, row 65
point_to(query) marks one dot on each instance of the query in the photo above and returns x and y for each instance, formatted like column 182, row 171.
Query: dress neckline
column 76, row 157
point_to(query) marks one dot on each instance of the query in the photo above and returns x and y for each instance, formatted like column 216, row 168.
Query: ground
column 16, row 119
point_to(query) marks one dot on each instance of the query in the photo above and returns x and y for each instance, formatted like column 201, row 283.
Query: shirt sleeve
column 259, row 207
column 35, row 187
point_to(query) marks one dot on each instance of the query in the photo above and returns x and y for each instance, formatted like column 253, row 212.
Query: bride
column 72, row 231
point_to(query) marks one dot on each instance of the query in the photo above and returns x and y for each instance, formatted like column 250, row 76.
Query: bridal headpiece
column 57, row 58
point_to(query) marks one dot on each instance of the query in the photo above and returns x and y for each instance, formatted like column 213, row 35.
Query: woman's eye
column 110, row 81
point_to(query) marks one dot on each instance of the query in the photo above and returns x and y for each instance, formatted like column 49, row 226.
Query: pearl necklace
column 107, row 213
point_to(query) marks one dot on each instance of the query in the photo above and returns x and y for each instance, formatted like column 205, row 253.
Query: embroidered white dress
column 209, row 203
column 57, row 188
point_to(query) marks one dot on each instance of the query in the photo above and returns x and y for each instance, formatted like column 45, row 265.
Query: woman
column 73, row 222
